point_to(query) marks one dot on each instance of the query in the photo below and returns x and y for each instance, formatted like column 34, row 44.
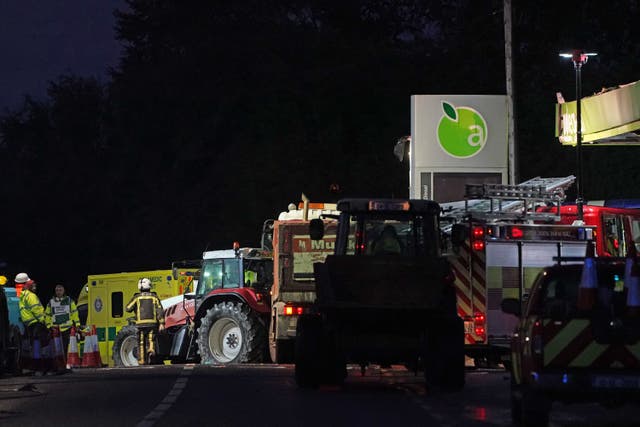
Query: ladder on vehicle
column 511, row 202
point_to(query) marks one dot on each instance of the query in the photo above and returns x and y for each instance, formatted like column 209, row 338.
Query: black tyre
column 444, row 364
column 281, row 351
column 516, row 403
column 308, row 347
column 231, row 333
column 14, row 352
column 534, row 408
column 335, row 367
column 125, row 347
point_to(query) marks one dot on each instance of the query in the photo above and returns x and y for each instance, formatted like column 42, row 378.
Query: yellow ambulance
column 108, row 295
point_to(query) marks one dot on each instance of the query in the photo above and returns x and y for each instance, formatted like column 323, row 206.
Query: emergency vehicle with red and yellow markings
column 506, row 242
column 577, row 338
column 511, row 233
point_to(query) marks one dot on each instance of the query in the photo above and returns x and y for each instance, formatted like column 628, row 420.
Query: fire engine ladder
column 511, row 202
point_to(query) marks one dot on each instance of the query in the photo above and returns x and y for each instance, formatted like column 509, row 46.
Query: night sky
column 43, row 39
column 179, row 126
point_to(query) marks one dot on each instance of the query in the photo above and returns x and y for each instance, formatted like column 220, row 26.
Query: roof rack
column 511, row 202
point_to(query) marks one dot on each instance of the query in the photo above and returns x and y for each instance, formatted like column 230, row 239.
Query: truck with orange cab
column 577, row 338
column 294, row 254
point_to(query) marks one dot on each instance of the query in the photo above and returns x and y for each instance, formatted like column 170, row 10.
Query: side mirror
column 511, row 306
column 459, row 234
column 316, row 229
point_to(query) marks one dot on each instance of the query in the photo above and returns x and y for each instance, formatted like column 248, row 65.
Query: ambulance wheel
column 307, row 351
column 231, row 333
column 125, row 347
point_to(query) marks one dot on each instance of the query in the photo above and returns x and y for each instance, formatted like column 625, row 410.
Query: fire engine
column 511, row 232
column 506, row 242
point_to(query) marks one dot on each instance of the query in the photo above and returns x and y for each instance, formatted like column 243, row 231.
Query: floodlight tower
column 579, row 58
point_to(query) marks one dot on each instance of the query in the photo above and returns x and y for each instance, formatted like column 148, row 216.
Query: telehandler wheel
column 125, row 347
column 281, row 351
column 231, row 333
column 308, row 349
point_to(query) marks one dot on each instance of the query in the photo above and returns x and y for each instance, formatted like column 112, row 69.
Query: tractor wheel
column 125, row 347
column 308, row 348
column 444, row 364
column 335, row 364
column 231, row 333
column 281, row 351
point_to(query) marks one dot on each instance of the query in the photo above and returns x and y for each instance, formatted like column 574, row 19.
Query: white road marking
column 181, row 382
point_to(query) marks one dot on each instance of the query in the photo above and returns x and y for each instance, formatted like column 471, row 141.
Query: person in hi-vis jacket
column 149, row 319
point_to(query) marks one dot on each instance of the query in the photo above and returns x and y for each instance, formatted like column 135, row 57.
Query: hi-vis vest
column 31, row 311
column 148, row 309
column 62, row 313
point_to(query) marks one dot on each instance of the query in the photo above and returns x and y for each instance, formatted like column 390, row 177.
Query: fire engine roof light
column 236, row 246
column 517, row 233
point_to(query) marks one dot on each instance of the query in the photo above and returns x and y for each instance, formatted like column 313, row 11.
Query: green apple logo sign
column 462, row 131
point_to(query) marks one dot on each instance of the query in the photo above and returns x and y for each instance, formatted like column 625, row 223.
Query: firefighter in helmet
column 149, row 319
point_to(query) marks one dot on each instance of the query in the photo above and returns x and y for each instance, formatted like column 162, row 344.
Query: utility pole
column 511, row 122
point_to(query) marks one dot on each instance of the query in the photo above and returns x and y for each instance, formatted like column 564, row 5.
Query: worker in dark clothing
column 149, row 319
column 387, row 243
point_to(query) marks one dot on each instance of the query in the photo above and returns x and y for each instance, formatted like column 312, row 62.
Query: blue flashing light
column 535, row 376
column 565, row 379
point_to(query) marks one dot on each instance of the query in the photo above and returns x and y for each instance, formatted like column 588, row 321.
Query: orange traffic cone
column 58, row 363
column 589, row 281
column 96, row 347
column 73, row 358
column 89, row 356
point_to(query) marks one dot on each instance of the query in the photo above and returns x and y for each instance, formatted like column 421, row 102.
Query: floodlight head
column 578, row 56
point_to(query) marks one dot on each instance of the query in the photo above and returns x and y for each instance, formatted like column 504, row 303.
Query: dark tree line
column 219, row 114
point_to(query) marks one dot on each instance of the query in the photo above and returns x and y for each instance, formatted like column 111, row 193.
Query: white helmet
column 22, row 278
column 144, row 284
